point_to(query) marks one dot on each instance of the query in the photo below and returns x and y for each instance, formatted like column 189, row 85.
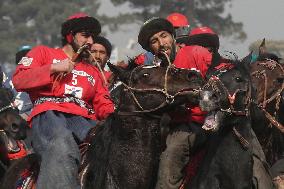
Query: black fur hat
column 80, row 22
column 105, row 42
column 151, row 27
column 22, row 52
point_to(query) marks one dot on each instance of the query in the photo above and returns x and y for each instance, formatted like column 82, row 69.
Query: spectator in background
column 22, row 100
column 100, row 55
column 182, row 28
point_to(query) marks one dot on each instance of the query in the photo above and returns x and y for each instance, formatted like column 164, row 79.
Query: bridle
column 271, row 65
column 169, row 99
column 12, row 106
column 218, row 87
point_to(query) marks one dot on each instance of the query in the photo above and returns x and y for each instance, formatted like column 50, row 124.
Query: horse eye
column 239, row 79
column 15, row 128
column 280, row 80
column 146, row 75
column 176, row 71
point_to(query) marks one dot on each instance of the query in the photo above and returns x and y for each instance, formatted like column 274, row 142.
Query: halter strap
column 169, row 98
column 214, row 81
column 276, row 96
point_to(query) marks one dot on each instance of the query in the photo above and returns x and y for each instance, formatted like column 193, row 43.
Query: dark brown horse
column 124, row 151
column 12, row 128
column 268, row 109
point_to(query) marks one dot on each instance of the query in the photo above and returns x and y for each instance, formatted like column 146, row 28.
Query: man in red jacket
column 68, row 96
column 182, row 27
column 101, row 52
column 157, row 35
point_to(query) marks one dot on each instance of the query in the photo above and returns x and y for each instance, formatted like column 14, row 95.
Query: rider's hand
column 65, row 66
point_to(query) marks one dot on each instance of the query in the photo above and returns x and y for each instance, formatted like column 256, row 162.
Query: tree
column 33, row 22
column 200, row 12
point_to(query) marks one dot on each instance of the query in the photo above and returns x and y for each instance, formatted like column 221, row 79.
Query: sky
column 260, row 18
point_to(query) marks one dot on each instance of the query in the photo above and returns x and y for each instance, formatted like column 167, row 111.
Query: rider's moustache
column 80, row 54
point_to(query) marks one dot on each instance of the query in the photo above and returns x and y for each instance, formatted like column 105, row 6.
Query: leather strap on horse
column 243, row 141
column 270, row 65
column 273, row 121
column 169, row 98
column 213, row 83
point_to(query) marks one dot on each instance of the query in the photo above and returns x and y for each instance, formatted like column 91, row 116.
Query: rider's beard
column 84, row 55
column 172, row 56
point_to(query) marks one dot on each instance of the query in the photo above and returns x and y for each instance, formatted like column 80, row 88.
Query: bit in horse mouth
column 11, row 144
column 185, row 90
column 211, row 121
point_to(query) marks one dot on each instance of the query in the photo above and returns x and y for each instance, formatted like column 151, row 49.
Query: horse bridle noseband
column 214, row 82
column 218, row 86
column 272, row 64
column 169, row 98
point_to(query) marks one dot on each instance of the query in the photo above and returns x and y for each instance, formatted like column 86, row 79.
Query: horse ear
column 247, row 60
column 119, row 71
column 262, row 47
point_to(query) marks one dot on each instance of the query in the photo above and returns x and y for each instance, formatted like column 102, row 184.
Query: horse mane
column 98, row 151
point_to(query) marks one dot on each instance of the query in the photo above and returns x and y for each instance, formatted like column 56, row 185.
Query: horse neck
column 241, row 123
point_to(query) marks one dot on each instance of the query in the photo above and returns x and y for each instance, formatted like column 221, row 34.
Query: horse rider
column 157, row 35
column 68, row 95
column 100, row 55
column 182, row 29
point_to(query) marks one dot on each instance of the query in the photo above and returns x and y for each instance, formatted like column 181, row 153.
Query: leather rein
column 169, row 99
column 218, row 86
column 261, row 74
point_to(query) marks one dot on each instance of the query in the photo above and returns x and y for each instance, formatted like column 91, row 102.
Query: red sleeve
column 193, row 57
column 102, row 102
column 199, row 58
column 33, row 71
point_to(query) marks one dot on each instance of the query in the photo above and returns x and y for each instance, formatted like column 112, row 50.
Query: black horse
column 12, row 128
column 123, row 152
column 228, row 163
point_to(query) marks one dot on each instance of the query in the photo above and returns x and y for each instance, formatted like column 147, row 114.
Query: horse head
column 12, row 125
column 267, row 76
column 151, row 88
column 226, row 94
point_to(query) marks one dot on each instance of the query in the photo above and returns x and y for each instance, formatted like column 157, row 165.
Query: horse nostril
column 214, row 96
column 191, row 75
column 15, row 127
